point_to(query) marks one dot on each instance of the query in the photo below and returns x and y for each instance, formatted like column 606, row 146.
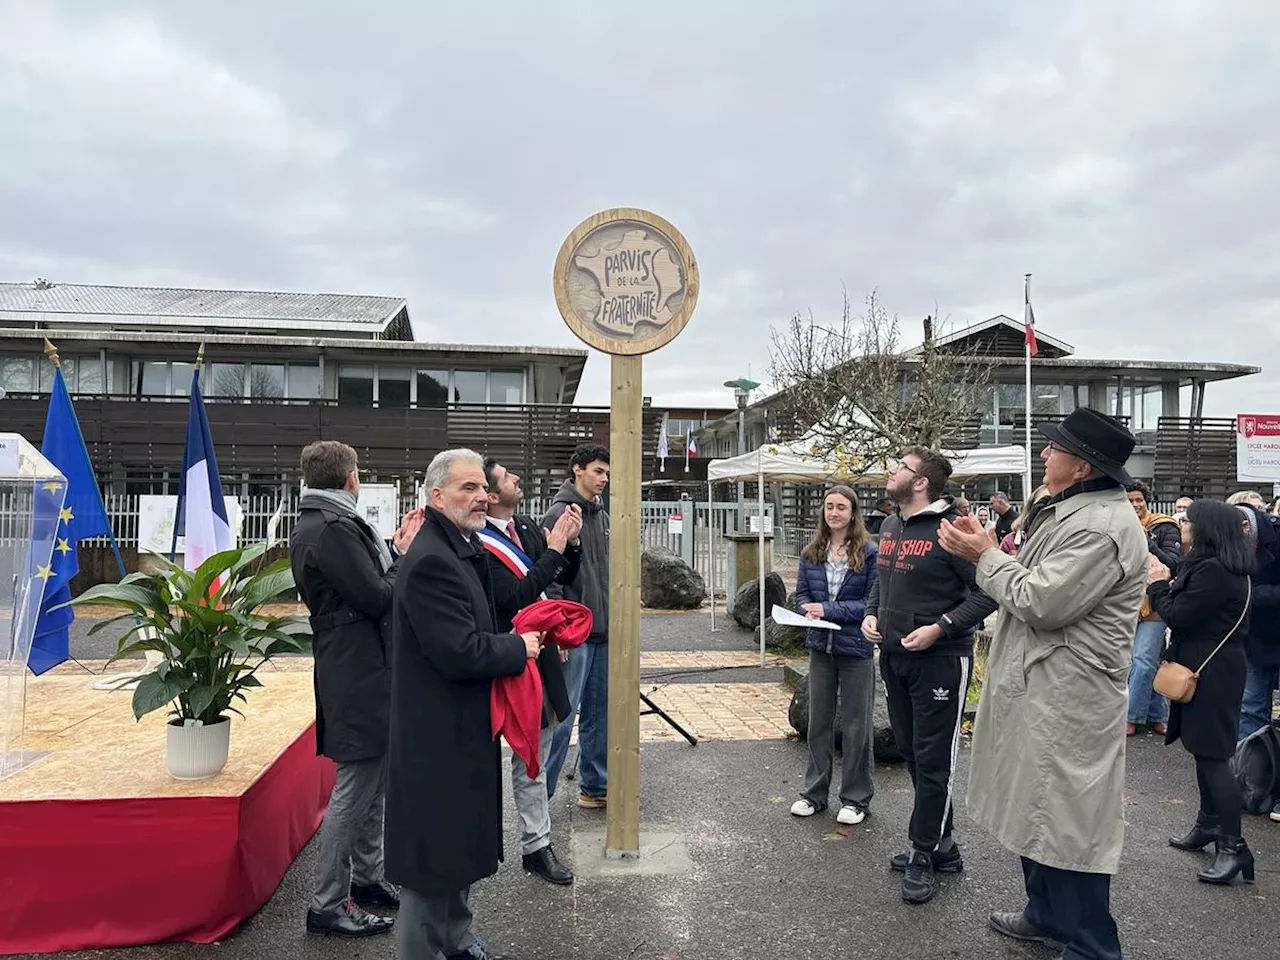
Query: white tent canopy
column 781, row 463
column 788, row 464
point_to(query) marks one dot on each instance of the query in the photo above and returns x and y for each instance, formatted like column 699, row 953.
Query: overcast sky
column 1126, row 154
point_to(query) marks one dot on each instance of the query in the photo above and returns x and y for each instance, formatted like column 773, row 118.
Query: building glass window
column 16, row 374
column 393, row 386
column 89, row 375
column 224, row 380
column 150, row 378
column 69, row 370
column 433, row 388
column 266, row 381
column 304, row 381
column 506, row 386
column 180, row 378
column 355, row 385
column 469, row 386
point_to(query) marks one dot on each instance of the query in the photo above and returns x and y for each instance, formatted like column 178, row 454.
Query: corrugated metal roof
column 230, row 305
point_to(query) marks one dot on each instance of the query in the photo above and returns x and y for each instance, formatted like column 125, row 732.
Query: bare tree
column 851, row 393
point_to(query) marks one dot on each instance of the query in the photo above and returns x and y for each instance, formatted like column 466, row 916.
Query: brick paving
column 720, row 711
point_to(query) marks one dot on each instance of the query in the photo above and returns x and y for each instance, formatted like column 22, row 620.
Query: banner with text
column 1258, row 448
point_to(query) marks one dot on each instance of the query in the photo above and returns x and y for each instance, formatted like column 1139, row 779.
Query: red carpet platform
column 100, row 847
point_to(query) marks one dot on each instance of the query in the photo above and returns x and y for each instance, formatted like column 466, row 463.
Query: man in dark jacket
column 525, row 563
column 587, row 669
column 923, row 609
column 346, row 575
column 1262, row 645
column 1004, row 513
column 444, row 768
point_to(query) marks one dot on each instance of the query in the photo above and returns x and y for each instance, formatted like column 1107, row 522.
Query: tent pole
column 760, row 550
column 711, row 552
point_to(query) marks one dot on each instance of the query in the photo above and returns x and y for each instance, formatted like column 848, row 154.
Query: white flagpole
column 1026, row 319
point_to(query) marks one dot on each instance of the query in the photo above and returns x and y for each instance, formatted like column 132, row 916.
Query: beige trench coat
column 1047, row 771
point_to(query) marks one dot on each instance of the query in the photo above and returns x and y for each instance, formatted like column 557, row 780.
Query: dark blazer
column 511, row 594
column 847, row 608
column 336, row 568
column 444, row 781
column 1200, row 607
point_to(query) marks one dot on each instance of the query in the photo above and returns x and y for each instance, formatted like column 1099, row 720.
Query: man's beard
column 899, row 491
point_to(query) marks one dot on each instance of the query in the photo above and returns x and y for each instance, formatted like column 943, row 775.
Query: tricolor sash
column 511, row 556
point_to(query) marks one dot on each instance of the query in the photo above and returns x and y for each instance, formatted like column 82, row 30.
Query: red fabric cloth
column 515, row 703
column 89, row 874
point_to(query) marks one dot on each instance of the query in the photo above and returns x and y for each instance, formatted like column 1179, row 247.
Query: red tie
column 512, row 535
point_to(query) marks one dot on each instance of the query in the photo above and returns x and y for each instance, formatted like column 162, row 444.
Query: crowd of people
column 1099, row 602
column 408, row 642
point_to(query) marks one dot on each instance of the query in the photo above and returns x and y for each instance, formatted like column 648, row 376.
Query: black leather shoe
column 1018, row 927
column 1201, row 835
column 949, row 862
column 917, row 879
column 348, row 921
column 380, row 894
column 1234, row 858
column 544, row 863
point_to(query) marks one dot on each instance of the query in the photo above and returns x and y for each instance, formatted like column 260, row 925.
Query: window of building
column 16, row 374
column 469, row 386
column 150, row 378
column 433, row 388
column 180, row 379
column 355, row 385
column 393, row 386
column 89, row 375
column 304, row 381
column 506, row 386
column 266, row 381
column 224, row 380
column 70, row 367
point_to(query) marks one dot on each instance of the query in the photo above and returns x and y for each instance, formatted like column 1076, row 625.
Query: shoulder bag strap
column 1248, row 602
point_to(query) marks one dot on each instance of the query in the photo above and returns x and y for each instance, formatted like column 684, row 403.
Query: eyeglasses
column 903, row 465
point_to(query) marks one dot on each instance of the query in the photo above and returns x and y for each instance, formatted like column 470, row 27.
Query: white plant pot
column 194, row 753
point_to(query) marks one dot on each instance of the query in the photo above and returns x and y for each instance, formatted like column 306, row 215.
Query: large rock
column 668, row 583
column 784, row 638
column 746, row 602
column 886, row 748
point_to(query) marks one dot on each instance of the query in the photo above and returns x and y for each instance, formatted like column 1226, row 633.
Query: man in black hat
column 1047, row 770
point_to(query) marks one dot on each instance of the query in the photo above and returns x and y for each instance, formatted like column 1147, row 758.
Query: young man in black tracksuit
column 923, row 611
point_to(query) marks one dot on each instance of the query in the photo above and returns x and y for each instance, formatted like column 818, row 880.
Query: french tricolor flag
column 202, row 513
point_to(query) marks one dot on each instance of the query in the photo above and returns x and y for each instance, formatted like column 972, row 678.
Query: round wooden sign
column 626, row 281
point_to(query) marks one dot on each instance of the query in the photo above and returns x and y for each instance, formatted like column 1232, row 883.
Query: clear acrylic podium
column 32, row 494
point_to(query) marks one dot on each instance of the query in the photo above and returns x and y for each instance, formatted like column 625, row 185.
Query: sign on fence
column 1258, row 448
column 157, row 513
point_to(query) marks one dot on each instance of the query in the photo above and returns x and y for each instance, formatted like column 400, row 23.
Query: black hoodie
column 919, row 583
column 590, row 585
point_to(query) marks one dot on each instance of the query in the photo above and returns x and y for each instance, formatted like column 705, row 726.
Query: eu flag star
column 63, row 546
column 53, row 486
column 65, row 515
column 44, row 573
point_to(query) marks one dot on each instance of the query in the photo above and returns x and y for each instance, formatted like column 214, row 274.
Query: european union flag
column 83, row 516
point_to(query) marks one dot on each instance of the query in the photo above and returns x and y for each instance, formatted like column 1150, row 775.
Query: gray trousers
column 433, row 927
column 532, row 802
column 853, row 681
column 351, row 835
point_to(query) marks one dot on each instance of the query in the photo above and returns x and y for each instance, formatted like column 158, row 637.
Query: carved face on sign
column 623, row 282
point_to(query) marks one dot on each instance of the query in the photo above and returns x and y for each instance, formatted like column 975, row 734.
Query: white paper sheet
column 786, row 618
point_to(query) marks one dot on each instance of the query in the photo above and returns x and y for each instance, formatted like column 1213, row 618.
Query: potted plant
column 208, row 627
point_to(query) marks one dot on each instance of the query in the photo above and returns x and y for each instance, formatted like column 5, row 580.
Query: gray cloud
column 1127, row 155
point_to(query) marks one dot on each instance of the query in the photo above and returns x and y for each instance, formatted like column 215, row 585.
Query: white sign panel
column 157, row 514
column 379, row 504
column 753, row 523
column 9, row 459
column 675, row 523
column 1258, row 448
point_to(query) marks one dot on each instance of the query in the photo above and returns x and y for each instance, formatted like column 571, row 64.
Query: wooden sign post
column 626, row 283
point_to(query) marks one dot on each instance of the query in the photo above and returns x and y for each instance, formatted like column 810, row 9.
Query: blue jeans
column 1260, row 685
column 586, row 675
column 1145, row 705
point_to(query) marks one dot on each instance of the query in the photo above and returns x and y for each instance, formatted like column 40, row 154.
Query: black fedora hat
column 1099, row 440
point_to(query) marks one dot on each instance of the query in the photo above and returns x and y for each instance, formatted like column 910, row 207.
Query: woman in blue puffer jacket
column 837, row 570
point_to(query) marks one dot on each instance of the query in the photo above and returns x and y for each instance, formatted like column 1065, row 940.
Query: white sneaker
column 803, row 808
column 850, row 815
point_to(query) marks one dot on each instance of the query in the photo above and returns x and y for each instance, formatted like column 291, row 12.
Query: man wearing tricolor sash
column 527, row 563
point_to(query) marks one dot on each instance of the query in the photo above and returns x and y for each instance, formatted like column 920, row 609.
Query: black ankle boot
column 1234, row 857
column 1202, row 834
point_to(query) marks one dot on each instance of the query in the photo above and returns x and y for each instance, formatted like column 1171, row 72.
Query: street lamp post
column 742, row 388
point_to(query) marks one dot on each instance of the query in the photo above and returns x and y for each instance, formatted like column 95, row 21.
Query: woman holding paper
column 837, row 570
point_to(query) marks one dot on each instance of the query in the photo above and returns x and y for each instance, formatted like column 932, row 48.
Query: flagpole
column 1026, row 319
column 177, row 508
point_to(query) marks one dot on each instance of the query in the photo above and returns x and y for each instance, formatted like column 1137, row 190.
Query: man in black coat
column 346, row 575
column 444, row 768
column 525, row 563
